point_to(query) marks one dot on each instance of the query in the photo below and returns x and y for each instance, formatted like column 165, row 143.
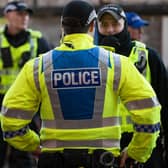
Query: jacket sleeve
column 140, row 100
column 19, row 106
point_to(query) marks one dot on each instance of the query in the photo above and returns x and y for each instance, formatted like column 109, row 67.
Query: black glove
column 111, row 42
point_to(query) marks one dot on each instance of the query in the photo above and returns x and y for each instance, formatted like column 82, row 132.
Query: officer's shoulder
column 138, row 44
column 152, row 51
column 106, row 49
column 153, row 55
column 35, row 33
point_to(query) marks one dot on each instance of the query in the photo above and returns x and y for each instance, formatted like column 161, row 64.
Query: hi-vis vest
column 103, row 120
column 13, row 58
column 139, row 57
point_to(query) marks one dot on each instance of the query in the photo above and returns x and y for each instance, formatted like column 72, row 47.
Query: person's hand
column 127, row 161
column 37, row 151
column 124, row 157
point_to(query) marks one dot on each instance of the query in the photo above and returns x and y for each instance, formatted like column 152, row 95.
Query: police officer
column 78, row 85
column 17, row 45
column 112, row 23
column 135, row 25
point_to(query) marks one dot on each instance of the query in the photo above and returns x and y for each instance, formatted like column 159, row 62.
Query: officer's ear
column 91, row 28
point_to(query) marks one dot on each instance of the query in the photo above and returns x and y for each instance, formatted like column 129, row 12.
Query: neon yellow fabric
column 28, row 98
column 8, row 75
column 109, row 48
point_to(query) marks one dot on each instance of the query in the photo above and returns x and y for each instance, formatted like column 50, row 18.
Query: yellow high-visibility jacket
column 78, row 86
column 11, row 60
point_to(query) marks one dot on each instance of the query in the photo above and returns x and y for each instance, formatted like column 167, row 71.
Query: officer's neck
column 13, row 31
column 16, row 39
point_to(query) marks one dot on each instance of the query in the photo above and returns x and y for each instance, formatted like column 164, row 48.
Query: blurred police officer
column 135, row 25
column 78, row 85
column 112, row 23
column 18, row 44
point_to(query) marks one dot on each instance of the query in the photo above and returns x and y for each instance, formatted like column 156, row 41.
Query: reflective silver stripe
column 100, row 92
column 4, row 87
column 31, row 41
column 141, row 104
column 17, row 113
column 104, row 56
column 9, row 72
column 73, row 124
column 53, row 95
column 36, row 73
column 81, row 143
column 117, row 71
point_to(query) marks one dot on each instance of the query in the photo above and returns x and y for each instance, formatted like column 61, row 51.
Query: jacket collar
column 77, row 41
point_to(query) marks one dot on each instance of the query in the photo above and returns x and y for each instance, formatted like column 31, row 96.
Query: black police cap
column 114, row 10
column 17, row 6
column 81, row 11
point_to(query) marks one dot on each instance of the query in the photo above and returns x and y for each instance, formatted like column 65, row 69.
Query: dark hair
column 73, row 25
